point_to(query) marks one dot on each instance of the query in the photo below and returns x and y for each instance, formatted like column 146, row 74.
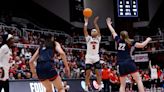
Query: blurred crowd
column 26, row 46
column 27, row 42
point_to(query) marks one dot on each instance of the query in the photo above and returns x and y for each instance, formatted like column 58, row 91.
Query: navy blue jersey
column 45, row 66
column 45, row 54
column 124, row 50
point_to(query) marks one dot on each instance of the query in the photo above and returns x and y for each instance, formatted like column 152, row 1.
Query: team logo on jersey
column 93, row 42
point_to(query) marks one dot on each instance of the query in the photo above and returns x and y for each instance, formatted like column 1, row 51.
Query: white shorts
column 92, row 59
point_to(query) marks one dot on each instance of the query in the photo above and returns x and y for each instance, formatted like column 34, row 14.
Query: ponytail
column 48, row 42
column 127, row 40
column 125, row 37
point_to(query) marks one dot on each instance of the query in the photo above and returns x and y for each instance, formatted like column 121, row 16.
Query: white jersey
column 154, row 74
column 5, row 56
column 93, row 45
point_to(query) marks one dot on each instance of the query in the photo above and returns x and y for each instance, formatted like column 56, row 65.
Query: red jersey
column 146, row 76
column 105, row 73
column 159, row 73
column 114, row 77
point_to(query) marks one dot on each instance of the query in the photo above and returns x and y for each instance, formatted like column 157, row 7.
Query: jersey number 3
column 121, row 46
column 93, row 47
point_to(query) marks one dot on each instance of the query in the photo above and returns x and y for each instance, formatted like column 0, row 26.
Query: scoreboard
column 127, row 8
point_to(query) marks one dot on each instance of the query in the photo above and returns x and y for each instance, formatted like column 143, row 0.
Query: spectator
column 27, row 54
column 105, row 78
column 154, row 75
column 11, row 76
column 146, row 79
column 114, row 80
column 76, row 71
column 66, row 86
column 28, row 75
column 19, row 76
column 129, row 82
column 82, row 75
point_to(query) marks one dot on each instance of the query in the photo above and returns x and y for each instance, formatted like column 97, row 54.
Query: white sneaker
column 100, row 87
column 86, row 89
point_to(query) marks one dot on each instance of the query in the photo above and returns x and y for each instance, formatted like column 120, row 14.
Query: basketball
column 87, row 12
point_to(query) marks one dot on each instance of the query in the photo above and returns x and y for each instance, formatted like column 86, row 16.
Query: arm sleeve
column 117, row 38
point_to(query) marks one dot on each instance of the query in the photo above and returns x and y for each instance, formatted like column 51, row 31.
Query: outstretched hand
column 149, row 38
column 109, row 21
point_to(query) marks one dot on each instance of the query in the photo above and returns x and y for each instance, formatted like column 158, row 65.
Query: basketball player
column 125, row 61
column 92, row 54
column 45, row 69
column 5, row 60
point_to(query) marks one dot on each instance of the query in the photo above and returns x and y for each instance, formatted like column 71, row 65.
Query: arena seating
column 27, row 40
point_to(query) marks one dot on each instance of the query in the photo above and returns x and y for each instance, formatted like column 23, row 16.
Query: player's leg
column 122, row 84
column 1, row 85
column 137, row 78
column 98, row 76
column 97, row 66
column 87, row 75
column 6, row 86
column 47, row 84
column 58, row 84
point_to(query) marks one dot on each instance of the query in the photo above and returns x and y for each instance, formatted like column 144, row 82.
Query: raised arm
column 85, row 26
column 96, row 25
column 32, row 60
column 143, row 44
column 63, row 56
column 109, row 23
column 150, row 66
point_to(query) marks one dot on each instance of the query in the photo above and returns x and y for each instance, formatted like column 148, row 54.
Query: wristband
column 85, row 24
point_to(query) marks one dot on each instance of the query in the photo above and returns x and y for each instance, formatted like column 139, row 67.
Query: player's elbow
column 62, row 54
column 140, row 46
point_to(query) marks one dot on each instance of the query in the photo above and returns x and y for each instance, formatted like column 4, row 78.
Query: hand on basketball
column 96, row 19
column 67, row 71
column 109, row 21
